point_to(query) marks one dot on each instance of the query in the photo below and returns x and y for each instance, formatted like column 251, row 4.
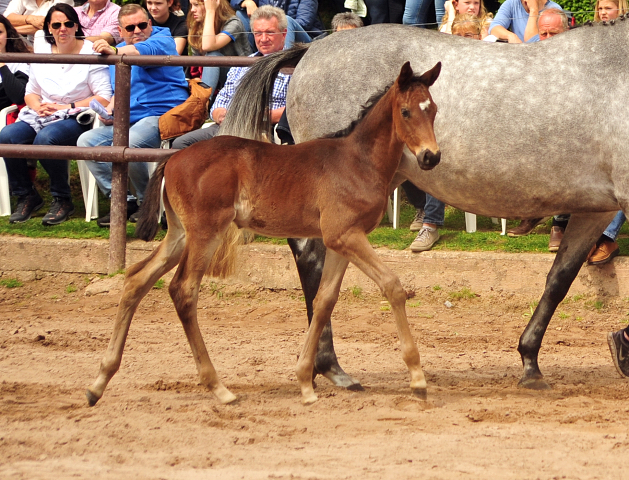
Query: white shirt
column 29, row 7
column 57, row 83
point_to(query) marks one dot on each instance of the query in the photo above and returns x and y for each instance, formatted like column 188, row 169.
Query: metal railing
column 120, row 153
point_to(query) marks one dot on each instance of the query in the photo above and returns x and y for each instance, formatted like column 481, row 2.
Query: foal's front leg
column 331, row 279
column 355, row 247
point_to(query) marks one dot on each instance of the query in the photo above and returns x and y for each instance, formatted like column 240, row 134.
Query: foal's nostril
column 433, row 158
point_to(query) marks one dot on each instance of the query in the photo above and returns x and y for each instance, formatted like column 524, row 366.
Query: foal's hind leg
column 139, row 280
column 355, row 247
column 184, row 290
column 331, row 279
column 309, row 254
column 582, row 232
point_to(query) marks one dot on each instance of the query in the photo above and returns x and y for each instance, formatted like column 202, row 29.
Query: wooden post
column 119, row 178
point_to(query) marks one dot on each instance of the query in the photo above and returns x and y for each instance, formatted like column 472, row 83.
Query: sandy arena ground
column 156, row 422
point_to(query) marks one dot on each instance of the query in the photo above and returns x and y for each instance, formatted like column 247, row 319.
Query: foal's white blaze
column 424, row 105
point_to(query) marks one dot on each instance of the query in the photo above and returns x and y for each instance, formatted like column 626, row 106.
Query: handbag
column 188, row 116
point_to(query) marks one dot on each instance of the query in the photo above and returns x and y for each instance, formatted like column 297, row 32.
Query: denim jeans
column 211, row 75
column 385, row 11
column 416, row 12
column 195, row 136
column 63, row 132
column 142, row 134
column 295, row 32
column 613, row 228
column 433, row 208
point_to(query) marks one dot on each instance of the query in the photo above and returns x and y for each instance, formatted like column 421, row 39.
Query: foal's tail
column 247, row 114
column 148, row 223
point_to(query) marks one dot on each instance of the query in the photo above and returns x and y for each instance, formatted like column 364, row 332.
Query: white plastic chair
column 5, row 196
column 470, row 223
column 393, row 208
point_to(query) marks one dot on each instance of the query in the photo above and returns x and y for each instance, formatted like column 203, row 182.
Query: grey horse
column 525, row 131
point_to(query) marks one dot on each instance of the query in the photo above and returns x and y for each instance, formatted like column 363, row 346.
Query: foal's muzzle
column 427, row 159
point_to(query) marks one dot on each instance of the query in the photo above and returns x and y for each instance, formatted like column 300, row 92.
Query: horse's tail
column 247, row 113
column 148, row 223
column 223, row 262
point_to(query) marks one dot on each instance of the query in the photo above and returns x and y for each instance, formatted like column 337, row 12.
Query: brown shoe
column 556, row 235
column 604, row 253
column 526, row 226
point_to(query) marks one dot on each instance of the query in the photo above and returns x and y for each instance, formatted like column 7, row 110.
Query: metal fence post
column 119, row 178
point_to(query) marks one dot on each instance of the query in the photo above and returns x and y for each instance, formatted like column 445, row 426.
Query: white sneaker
column 418, row 221
column 425, row 239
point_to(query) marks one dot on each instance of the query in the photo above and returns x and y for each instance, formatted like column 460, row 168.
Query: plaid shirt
column 224, row 97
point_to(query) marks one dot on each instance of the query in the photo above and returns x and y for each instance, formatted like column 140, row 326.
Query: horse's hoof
column 355, row 387
column 225, row 396
column 421, row 393
column 309, row 400
column 91, row 398
column 534, row 384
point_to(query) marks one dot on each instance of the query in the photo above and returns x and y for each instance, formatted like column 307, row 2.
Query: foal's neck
column 377, row 137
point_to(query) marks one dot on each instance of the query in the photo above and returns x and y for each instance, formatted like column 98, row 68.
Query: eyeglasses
column 57, row 25
column 141, row 26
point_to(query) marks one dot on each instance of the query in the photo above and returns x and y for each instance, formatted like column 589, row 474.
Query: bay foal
column 333, row 188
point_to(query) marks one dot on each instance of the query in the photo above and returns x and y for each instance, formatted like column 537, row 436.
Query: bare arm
column 276, row 115
column 180, row 44
column 108, row 37
column 501, row 32
column 212, row 40
column 531, row 25
column 102, row 47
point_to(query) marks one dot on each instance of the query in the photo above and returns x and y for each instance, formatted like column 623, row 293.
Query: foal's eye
column 406, row 113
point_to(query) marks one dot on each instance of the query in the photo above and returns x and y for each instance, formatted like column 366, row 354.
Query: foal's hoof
column 534, row 384
column 309, row 400
column 421, row 393
column 355, row 387
column 91, row 398
column 225, row 396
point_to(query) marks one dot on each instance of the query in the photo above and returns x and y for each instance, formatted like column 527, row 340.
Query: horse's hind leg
column 355, row 247
column 184, row 290
column 309, row 254
column 582, row 232
column 331, row 279
column 139, row 280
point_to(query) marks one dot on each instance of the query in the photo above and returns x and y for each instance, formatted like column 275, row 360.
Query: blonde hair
column 484, row 16
column 224, row 11
column 621, row 4
column 466, row 22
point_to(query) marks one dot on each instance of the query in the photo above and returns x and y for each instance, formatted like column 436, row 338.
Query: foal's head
column 414, row 114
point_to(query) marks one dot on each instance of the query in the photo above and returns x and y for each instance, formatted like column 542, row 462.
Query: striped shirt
column 235, row 74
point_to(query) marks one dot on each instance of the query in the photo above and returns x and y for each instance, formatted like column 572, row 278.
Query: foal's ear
column 429, row 77
column 405, row 79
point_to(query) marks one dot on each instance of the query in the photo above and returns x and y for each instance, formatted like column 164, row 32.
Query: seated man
column 154, row 91
column 551, row 22
column 162, row 15
column 269, row 28
column 521, row 16
column 99, row 19
column 27, row 16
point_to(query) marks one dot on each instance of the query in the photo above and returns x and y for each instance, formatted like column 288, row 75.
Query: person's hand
column 101, row 46
column 46, row 108
column 219, row 115
column 212, row 5
column 532, row 6
column 106, row 121
column 449, row 8
column 250, row 5
column 36, row 21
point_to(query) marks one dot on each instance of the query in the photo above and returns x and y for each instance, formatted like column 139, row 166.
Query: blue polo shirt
column 512, row 14
column 154, row 89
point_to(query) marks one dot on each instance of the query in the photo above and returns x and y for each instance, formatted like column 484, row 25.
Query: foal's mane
column 365, row 109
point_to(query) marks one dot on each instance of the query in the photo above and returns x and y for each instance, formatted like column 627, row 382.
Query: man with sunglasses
column 154, row 91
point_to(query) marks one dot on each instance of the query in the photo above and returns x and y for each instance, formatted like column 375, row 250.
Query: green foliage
column 464, row 293
column 71, row 289
column 582, row 10
column 356, row 291
column 159, row 284
column 11, row 283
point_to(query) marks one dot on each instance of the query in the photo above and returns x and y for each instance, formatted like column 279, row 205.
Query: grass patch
column 159, row 284
column 464, row 293
column 453, row 235
column 11, row 283
column 356, row 291
column 71, row 289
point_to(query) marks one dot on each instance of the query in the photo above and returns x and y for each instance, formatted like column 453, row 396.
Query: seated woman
column 215, row 31
column 606, row 10
column 13, row 76
column 54, row 95
column 475, row 8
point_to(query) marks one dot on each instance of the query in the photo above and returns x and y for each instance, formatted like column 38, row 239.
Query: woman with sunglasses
column 55, row 94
